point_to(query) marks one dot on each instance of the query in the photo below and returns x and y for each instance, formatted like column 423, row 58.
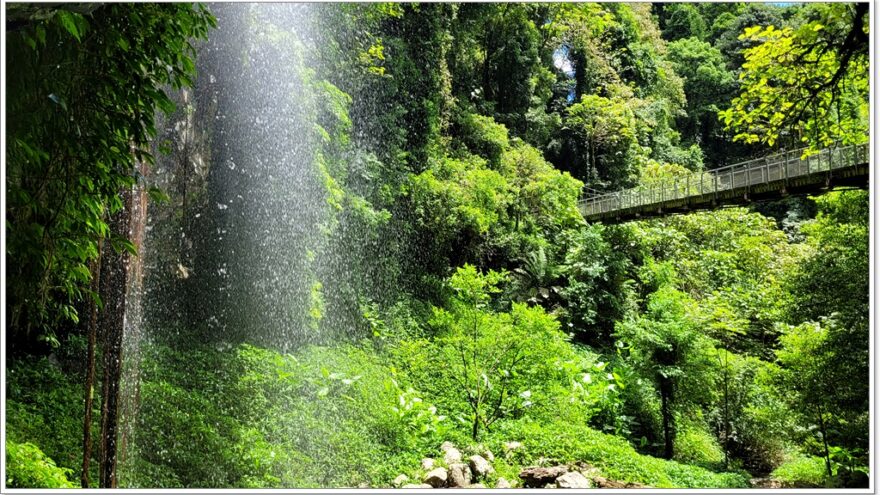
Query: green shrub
column 483, row 136
column 565, row 442
column 28, row 467
column 695, row 444
column 253, row 417
column 44, row 406
column 801, row 472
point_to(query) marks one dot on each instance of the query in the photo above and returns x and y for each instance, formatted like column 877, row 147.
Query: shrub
column 695, row 444
column 44, row 406
column 801, row 472
column 566, row 442
column 28, row 467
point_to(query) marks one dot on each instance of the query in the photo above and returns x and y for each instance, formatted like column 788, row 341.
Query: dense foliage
column 445, row 287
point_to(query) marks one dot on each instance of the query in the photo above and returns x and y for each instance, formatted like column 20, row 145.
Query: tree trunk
column 476, row 428
column 824, row 440
column 114, row 284
column 668, row 422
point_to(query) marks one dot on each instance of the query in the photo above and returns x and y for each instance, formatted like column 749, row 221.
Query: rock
column 764, row 483
column 436, row 477
column 423, row 485
column 537, row 477
column 480, row 466
column 400, row 480
column 587, row 470
column 573, row 479
column 489, row 455
column 459, row 475
column 427, row 464
column 477, row 485
column 602, row 482
column 502, row 483
column 452, row 456
column 446, row 446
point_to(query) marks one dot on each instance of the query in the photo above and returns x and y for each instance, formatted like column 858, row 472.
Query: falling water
column 249, row 202
column 239, row 252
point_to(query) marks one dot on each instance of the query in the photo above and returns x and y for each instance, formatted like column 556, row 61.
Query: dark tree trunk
column 114, row 285
column 823, row 430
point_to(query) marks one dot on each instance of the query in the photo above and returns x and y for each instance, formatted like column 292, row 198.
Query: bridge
column 770, row 177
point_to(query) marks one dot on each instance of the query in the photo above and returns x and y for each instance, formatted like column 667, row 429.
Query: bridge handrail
column 779, row 166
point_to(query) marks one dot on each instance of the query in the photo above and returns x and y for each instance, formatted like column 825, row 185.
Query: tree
column 832, row 281
column 805, row 85
column 804, row 359
column 494, row 358
column 683, row 20
column 669, row 347
column 708, row 86
column 605, row 131
column 82, row 109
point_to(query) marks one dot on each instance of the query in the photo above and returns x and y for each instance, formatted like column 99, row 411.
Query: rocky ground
column 453, row 471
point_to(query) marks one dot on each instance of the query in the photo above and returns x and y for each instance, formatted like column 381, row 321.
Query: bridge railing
column 780, row 166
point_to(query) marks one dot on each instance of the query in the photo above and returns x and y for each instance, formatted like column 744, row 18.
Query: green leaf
column 67, row 20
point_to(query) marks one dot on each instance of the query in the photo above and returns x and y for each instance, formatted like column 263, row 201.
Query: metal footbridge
column 771, row 177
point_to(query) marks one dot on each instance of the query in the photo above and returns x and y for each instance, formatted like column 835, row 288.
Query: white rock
column 427, row 464
column 573, row 479
column 477, row 485
column 446, row 446
column 452, row 456
column 436, row 477
column 502, row 483
column 459, row 475
column 400, row 480
column 480, row 466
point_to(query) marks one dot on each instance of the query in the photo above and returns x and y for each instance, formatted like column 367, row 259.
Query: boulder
column 452, row 456
column 573, row 479
column 412, row 485
column 446, row 446
column 400, row 480
column 427, row 464
column 477, row 485
column 602, row 482
column 502, row 483
column 480, row 466
column 436, row 477
column 538, row 477
column 459, row 475
column 489, row 455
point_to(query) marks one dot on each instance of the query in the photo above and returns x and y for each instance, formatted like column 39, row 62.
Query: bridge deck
column 768, row 177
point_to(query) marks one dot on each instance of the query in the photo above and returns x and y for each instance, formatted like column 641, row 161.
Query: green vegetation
column 444, row 287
